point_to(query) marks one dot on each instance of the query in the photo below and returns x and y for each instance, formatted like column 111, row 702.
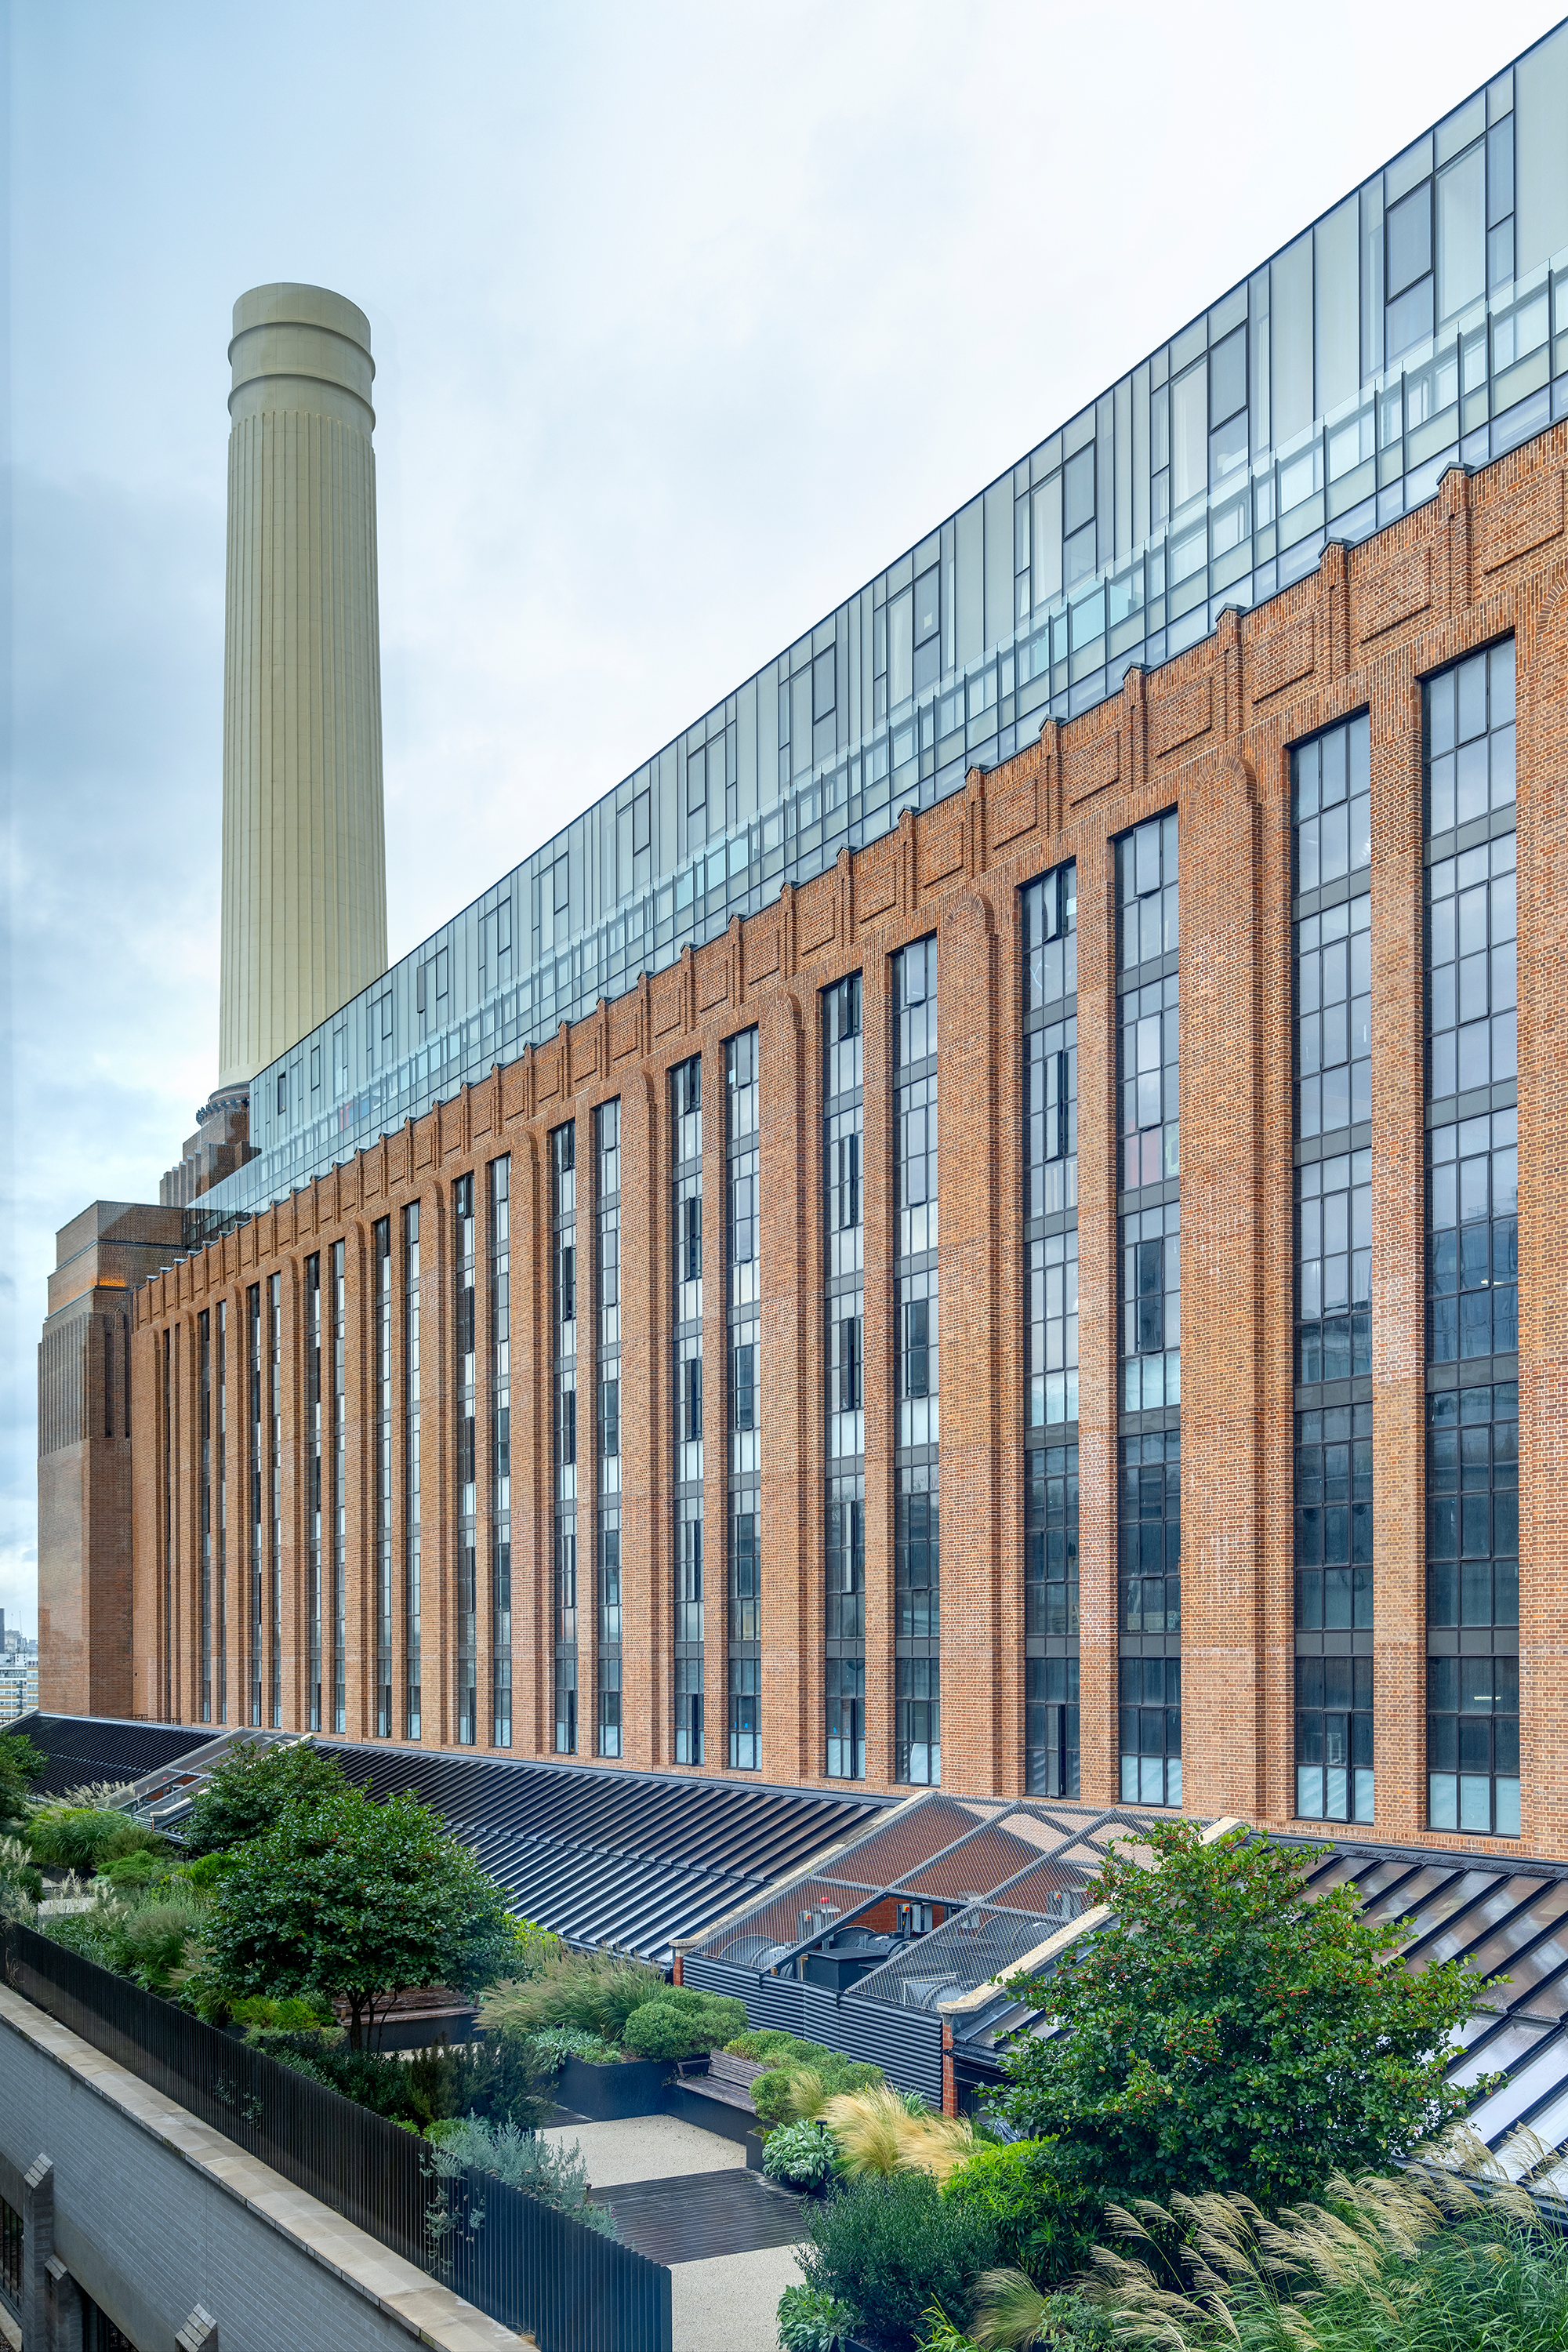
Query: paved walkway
column 685, row 2197
column 647, row 2148
column 730, row 2304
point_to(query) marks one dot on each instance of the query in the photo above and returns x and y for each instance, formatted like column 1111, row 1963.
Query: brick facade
column 1209, row 735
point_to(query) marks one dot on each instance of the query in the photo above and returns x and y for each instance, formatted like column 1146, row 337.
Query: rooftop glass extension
column 1422, row 321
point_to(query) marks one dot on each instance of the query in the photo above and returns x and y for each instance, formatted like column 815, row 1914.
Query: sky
column 687, row 319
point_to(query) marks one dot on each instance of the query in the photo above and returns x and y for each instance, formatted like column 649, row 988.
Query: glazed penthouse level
column 1069, row 1299
column 1422, row 320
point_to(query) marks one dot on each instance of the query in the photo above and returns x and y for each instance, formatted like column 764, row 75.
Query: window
column 686, row 1122
column 844, row 1684
column 465, row 1246
column 411, row 1557
column 500, row 1451
column 1330, row 807
column 608, row 1148
column 1051, row 1622
column 744, row 1597
column 1333, row 1518
column 1333, row 1739
column 1472, row 1253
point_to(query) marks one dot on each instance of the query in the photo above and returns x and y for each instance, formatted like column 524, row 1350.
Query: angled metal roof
column 609, row 1856
column 82, row 1748
column 599, row 1855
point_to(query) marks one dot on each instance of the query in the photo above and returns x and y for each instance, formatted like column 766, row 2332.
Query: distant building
column 18, row 1686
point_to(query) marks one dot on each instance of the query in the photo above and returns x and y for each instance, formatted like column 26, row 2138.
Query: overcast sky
column 687, row 319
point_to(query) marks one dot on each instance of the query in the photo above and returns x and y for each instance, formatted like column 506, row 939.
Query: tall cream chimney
column 304, row 856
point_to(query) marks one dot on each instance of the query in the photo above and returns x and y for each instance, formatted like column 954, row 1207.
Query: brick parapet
column 1207, row 736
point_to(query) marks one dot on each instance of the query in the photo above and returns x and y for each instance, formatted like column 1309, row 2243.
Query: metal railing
column 518, row 2260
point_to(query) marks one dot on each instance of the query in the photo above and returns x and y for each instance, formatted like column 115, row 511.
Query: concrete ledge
column 418, row 2305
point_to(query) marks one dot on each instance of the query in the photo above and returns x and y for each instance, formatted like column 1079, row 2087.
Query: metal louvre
column 82, row 1748
column 637, row 1860
column 599, row 1855
column 982, row 1941
column 905, row 2044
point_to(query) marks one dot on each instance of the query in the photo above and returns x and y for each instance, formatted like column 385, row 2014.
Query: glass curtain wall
column 500, row 1453
column 607, row 1203
column 258, row 1505
column 686, row 1124
column 412, row 1712
column 1331, row 783
column 381, row 1343
column 465, row 1243
column 204, row 1501
column 1048, row 912
column 1420, row 321
column 339, row 1444
column 917, row 1499
column 1472, row 1250
column 563, row 1349
column 844, row 1274
column 220, row 1440
column 314, row 1480
column 745, row 1627
column 1149, row 1506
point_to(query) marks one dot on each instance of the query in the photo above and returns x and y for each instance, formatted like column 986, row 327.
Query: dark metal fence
column 520, row 2260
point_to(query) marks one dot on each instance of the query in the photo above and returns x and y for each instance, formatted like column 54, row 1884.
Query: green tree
column 1223, row 2032
column 20, row 1764
column 356, row 1900
column 249, row 1788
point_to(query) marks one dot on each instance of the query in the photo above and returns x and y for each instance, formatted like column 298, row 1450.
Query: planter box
column 603, row 2094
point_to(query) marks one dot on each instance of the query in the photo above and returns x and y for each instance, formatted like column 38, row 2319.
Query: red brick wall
column 1209, row 735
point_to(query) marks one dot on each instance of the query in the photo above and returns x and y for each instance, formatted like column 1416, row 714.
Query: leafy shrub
column 156, row 1936
column 801, row 2154
column 556, row 2043
column 682, row 2022
column 358, row 1899
column 889, row 2248
column 1222, row 2032
column 769, row 2042
column 501, row 2077
column 74, row 1837
column 137, row 1868
column 251, row 1786
column 594, row 1990
column 385, row 2085
column 300, row 2014
column 502, row 2085
column 556, row 2176
column 1046, row 2219
column 829, row 2073
column 808, row 2320
column 151, row 1936
column 133, row 1837
column 20, row 1764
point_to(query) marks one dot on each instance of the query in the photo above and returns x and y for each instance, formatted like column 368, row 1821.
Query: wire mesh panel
column 981, row 1943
